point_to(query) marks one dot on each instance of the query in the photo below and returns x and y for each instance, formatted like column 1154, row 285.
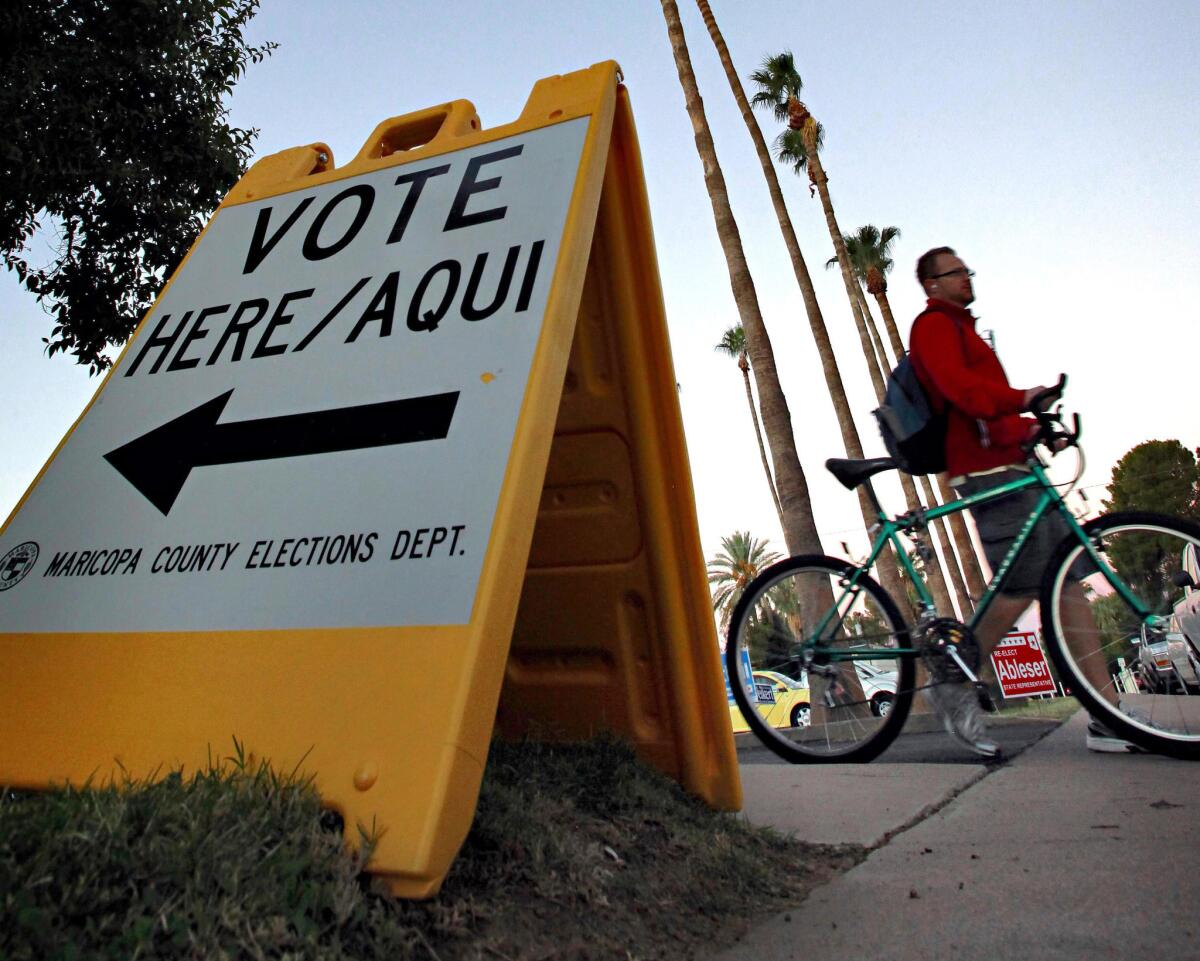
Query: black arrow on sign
column 158, row 463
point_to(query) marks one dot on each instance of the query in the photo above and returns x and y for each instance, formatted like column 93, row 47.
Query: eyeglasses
column 957, row 271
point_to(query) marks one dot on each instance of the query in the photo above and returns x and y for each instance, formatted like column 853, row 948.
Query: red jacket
column 960, row 371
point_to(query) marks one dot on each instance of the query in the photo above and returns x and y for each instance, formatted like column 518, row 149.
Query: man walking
column 984, row 437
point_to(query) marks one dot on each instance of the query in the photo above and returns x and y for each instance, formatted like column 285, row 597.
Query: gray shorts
column 1000, row 521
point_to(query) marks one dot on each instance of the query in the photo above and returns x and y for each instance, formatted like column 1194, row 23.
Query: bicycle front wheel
column 1131, row 652
column 819, row 661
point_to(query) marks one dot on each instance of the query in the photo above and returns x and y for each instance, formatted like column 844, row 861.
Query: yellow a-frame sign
column 395, row 435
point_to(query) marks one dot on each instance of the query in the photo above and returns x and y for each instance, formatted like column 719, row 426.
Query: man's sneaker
column 1101, row 738
column 958, row 705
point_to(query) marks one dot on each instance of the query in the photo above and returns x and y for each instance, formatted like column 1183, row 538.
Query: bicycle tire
column 840, row 735
column 1169, row 723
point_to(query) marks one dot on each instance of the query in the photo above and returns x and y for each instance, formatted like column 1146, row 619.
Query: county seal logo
column 16, row 564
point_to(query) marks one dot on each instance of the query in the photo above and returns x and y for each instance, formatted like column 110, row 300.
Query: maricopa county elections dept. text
column 304, row 551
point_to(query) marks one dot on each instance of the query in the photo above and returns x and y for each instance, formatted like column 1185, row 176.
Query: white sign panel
column 313, row 425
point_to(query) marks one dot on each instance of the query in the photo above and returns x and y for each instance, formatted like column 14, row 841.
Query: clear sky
column 1052, row 143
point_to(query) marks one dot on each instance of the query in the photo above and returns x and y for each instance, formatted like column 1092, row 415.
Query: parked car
column 1167, row 662
column 1154, row 670
column 781, row 700
column 785, row 701
column 1186, row 616
column 879, row 687
column 791, row 701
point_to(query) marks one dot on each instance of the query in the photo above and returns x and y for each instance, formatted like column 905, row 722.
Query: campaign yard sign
column 1021, row 667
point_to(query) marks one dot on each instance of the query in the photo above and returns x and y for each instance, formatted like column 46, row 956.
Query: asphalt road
column 934, row 747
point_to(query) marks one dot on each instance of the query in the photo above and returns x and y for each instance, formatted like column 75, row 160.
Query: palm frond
column 887, row 237
column 741, row 559
column 762, row 98
column 777, row 81
column 790, row 149
column 875, row 245
column 868, row 235
column 732, row 343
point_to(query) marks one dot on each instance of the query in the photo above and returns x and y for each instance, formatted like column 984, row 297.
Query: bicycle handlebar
column 1042, row 400
column 1051, row 428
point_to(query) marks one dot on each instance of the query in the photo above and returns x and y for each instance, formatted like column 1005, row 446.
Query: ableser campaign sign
column 1021, row 667
column 394, row 462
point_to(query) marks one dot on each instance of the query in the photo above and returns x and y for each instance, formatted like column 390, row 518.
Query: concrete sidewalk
column 1061, row 853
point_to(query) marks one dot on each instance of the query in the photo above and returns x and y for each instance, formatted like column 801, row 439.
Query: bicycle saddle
column 851, row 473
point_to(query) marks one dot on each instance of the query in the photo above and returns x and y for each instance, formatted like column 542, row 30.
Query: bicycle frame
column 891, row 528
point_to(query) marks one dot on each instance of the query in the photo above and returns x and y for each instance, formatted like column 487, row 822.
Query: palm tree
column 876, row 249
column 861, row 260
column 876, row 254
column 800, row 148
column 888, row 571
column 779, row 85
column 799, row 528
column 741, row 559
column 733, row 344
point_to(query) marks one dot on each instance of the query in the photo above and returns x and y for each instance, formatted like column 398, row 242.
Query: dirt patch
column 583, row 853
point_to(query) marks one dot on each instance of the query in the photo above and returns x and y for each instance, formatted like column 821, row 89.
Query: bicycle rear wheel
column 777, row 662
column 1139, row 676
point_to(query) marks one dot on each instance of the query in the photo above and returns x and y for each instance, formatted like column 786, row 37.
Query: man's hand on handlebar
column 1038, row 399
column 1050, row 429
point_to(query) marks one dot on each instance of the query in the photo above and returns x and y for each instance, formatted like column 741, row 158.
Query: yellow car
column 782, row 701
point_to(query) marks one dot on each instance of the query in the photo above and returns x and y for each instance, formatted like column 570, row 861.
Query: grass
column 1049, row 709
column 577, row 852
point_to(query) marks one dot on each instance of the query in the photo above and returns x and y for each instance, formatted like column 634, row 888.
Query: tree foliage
column 1117, row 624
column 868, row 248
column 114, row 149
column 1159, row 475
column 1162, row 476
column 733, row 343
column 777, row 81
column 740, row 560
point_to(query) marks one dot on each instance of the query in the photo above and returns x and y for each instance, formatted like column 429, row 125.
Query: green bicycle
column 816, row 617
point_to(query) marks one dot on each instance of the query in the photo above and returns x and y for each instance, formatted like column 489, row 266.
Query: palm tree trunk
column 881, row 357
column 966, row 605
column 800, row 537
column 887, row 568
column 799, row 528
column 889, row 322
column 962, row 538
column 962, row 541
column 853, row 291
column 744, row 366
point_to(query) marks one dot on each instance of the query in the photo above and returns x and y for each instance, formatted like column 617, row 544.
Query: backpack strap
column 940, row 401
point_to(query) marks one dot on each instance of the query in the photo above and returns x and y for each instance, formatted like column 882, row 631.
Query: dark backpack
column 913, row 431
